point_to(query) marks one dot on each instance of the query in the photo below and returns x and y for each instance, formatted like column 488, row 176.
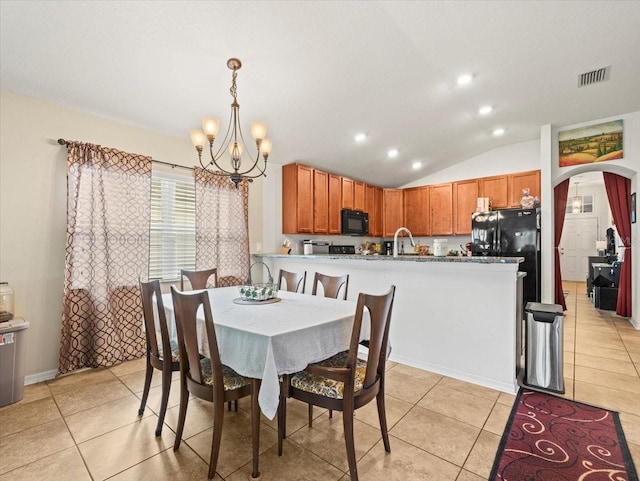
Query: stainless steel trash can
column 544, row 347
column 13, row 356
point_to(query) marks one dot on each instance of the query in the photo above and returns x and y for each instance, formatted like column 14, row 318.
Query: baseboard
column 507, row 387
column 39, row 377
column 635, row 323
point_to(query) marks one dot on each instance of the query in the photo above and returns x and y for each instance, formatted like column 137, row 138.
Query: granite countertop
column 402, row 258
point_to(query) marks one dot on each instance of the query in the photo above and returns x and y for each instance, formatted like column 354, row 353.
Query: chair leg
column 229, row 406
column 218, row 417
column 310, row 415
column 166, row 387
column 347, row 421
column 182, row 414
column 282, row 418
column 330, row 413
column 382, row 416
column 255, row 426
column 147, row 385
column 235, row 405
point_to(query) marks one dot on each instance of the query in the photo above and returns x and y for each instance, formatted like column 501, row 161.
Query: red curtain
column 619, row 194
column 560, row 207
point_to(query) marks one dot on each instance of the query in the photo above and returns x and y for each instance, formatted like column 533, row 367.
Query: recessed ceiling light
column 464, row 79
column 393, row 153
column 416, row 165
column 360, row 137
column 498, row 132
column 485, row 110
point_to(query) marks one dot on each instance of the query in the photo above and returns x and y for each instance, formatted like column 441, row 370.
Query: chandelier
column 233, row 142
column 576, row 204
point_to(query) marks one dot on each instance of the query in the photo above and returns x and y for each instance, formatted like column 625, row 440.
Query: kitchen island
column 455, row 316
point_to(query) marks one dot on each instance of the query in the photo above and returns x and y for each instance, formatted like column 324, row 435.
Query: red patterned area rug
column 549, row 438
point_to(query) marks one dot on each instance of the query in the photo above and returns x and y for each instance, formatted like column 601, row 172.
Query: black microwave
column 355, row 222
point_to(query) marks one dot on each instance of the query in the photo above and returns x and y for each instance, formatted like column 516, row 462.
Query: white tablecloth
column 265, row 340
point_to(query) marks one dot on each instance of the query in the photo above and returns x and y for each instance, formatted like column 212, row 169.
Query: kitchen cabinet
column 335, row 204
column 496, row 188
column 373, row 207
column 416, row 210
column 347, row 193
column 392, row 215
column 320, row 202
column 297, row 199
column 465, row 197
column 441, row 213
column 358, row 196
column 523, row 180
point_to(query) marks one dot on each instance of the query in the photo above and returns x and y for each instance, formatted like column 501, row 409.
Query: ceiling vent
column 594, row 77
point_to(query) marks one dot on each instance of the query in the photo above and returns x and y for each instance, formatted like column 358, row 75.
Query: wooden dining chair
column 345, row 383
column 293, row 280
column 206, row 377
column 199, row 279
column 156, row 348
column 331, row 285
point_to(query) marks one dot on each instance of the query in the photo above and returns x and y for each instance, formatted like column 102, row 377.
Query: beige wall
column 33, row 206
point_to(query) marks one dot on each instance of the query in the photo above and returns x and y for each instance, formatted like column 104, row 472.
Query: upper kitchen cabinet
column 358, row 196
column 335, row 203
column 297, row 199
column 441, row 212
column 392, row 216
column 320, row 202
column 373, row 207
column 416, row 210
column 496, row 188
column 523, row 180
column 465, row 196
column 347, row 193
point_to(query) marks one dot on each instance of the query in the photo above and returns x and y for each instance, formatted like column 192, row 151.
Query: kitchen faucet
column 395, row 240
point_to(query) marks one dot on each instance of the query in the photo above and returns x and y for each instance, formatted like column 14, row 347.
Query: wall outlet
column 258, row 246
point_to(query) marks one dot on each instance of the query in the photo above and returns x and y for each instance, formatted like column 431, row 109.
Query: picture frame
column 633, row 208
column 593, row 143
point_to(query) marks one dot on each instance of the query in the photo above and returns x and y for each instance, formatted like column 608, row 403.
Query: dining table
column 263, row 340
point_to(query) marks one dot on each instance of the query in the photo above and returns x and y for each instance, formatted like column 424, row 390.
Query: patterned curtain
column 222, row 227
column 108, row 211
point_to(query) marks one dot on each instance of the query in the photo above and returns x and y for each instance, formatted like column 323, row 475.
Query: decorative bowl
column 258, row 292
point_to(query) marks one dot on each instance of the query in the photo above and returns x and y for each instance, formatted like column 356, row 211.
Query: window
column 173, row 225
column 586, row 204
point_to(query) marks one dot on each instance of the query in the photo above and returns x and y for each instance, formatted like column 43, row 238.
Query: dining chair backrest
column 149, row 291
column 331, row 285
column 293, row 280
column 199, row 279
column 379, row 307
column 186, row 305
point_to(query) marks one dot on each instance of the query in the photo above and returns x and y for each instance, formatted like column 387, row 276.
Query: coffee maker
column 387, row 248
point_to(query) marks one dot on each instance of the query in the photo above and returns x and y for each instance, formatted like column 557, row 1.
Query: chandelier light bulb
column 198, row 139
column 265, row 147
column 210, row 127
column 258, row 130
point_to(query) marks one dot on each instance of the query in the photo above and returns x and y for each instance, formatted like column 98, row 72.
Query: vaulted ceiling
column 320, row 72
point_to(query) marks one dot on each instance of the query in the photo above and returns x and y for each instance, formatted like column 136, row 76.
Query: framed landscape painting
column 594, row 143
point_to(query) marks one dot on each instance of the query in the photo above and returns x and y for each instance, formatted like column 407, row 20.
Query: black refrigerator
column 511, row 233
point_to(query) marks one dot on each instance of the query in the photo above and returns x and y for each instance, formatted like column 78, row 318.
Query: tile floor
column 85, row 426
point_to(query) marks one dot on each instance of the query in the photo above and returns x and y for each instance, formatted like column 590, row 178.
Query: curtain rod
column 66, row 143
